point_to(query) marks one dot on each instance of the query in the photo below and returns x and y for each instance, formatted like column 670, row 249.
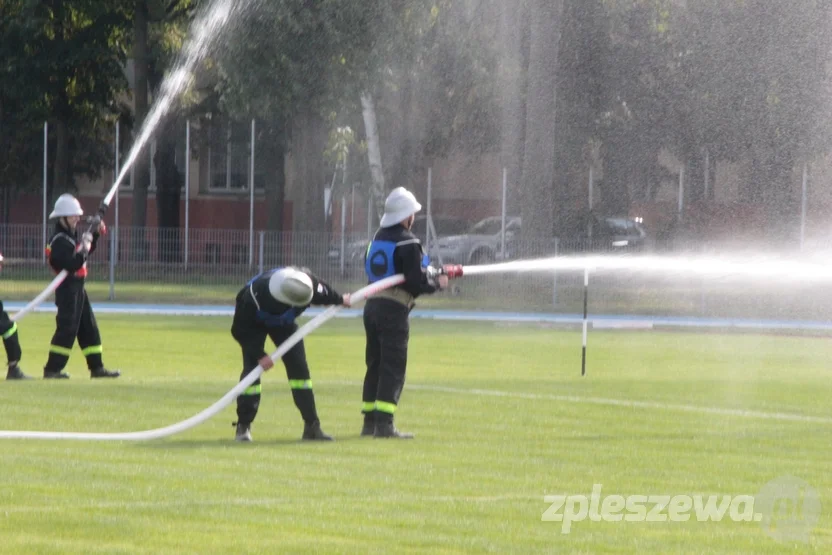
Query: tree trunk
column 168, row 188
column 538, row 164
column 513, row 28
column 141, row 177
column 308, row 146
column 276, row 192
column 373, row 151
column 770, row 185
column 168, row 179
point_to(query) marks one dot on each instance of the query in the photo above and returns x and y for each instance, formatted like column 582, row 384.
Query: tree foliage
column 63, row 63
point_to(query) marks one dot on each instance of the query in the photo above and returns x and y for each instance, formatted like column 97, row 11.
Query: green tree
column 63, row 62
column 304, row 67
column 755, row 77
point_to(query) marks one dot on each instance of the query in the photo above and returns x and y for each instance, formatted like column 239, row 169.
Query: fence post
column 369, row 216
column 112, row 296
column 45, row 181
column 251, row 202
column 803, row 204
column 115, row 176
column 187, row 187
column 260, row 253
column 503, row 213
column 555, row 280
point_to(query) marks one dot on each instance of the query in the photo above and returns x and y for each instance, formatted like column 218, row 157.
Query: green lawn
column 502, row 418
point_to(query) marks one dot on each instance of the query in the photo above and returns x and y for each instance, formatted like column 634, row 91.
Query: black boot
column 59, row 375
column 369, row 425
column 243, row 432
column 312, row 431
column 15, row 373
column 386, row 429
column 102, row 372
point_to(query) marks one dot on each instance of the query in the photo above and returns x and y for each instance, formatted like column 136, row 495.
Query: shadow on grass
column 229, row 442
column 627, row 437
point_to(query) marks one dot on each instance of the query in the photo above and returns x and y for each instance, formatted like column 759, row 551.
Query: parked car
column 482, row 244
column 608, row 234
column 354, row 251
column 479, row 245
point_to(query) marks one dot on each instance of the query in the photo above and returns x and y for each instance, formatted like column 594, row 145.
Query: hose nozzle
column 452, row 270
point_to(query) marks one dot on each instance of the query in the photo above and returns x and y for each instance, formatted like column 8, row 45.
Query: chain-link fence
column 148, row 266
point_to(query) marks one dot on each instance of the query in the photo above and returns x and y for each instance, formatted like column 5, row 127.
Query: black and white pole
column 586, row 298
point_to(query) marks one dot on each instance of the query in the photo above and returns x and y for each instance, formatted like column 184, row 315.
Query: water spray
column 229, row 397
column 747, row 266
column 206, row 30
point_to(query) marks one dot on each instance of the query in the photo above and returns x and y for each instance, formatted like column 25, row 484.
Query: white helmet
column 66, row 205
column 291, row 286
column 400, row 205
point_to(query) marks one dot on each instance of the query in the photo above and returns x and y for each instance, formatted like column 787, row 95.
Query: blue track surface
column 598, row 320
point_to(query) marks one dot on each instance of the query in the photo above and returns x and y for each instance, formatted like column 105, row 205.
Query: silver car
column 480, row 245
column 355, row 249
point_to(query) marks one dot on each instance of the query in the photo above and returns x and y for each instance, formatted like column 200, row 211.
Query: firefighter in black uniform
column 8, row 331
column 393, row 250
column 269, row 305
column 68, row 250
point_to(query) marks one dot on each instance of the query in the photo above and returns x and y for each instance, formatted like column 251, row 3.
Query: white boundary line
column 624, row 403
column 237, row 502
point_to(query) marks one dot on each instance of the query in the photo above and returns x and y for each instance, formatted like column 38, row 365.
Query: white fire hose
column 229, row 397
column 40, row 298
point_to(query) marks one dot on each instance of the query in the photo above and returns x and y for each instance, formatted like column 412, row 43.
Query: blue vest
column 379, row 261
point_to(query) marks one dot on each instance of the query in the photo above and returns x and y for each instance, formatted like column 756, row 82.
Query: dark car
column 612, row 234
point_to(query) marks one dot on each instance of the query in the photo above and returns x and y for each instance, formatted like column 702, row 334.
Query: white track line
column 237, row 502
column 651, row 405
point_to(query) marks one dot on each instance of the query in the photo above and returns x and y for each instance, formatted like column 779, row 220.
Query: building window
column 179, row 160
column 229, row 156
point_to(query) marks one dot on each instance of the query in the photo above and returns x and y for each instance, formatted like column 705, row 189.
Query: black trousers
column 8, row 331
column 297, row 371
column 387, row 326
column 75, row 319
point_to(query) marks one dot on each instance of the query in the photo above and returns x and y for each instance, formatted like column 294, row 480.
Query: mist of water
column 769, row 268
column 204, row 33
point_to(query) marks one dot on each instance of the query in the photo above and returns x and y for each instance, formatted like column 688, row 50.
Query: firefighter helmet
column 291, row 286
column 400, row 205
column 66, row 205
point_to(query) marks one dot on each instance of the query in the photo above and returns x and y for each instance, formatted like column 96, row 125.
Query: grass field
column 502, row 418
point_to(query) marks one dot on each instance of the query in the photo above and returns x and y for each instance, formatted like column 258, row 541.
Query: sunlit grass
column 502, row 418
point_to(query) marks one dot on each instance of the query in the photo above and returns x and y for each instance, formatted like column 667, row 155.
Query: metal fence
column 148, row 265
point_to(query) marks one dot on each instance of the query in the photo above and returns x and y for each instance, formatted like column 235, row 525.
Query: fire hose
column 228, row 398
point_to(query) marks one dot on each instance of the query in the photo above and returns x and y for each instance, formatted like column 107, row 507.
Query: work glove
column 436, row 277
column 97, row 225
column 86, row 243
